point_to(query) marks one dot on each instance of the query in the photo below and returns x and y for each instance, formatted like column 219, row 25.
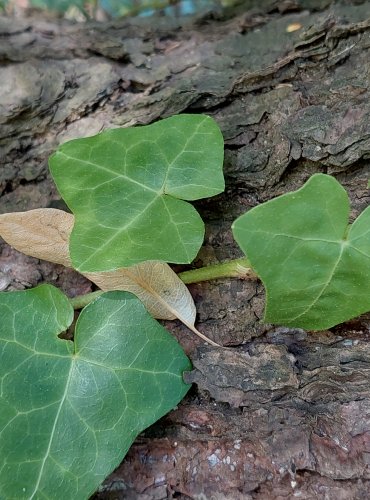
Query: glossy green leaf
column 314, row 265
column 69, row 411
column 126, row 189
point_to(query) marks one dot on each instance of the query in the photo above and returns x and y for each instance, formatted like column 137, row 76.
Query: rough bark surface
column 279, row 413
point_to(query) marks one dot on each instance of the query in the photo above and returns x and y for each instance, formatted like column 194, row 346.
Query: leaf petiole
column 80, row 301
column 236, row 268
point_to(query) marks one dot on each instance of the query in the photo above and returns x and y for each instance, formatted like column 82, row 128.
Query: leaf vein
column 63, row 398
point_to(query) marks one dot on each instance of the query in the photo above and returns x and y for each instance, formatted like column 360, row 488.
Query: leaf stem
column 82, row 300
column 237, row 268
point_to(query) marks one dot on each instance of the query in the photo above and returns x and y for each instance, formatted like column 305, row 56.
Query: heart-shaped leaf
column 70, row 411
column 126, row 189
column 314, row 265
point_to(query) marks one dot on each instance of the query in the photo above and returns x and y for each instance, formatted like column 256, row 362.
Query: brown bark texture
column 278, row 413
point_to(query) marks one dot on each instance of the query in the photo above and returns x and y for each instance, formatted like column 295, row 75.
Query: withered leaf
column 42, row 233
column 155, row 284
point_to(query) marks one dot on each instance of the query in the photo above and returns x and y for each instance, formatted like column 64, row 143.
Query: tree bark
column 280, row 413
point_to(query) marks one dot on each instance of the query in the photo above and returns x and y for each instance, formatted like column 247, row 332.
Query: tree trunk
column 288, row 82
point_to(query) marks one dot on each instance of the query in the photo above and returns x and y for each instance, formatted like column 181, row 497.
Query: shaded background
column 102, row 9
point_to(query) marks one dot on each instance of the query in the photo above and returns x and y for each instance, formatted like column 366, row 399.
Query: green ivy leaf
column 70, row 411
column 126, row 189
column 315, row 267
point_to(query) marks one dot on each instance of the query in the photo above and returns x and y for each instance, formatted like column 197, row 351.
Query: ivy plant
column 69, row 410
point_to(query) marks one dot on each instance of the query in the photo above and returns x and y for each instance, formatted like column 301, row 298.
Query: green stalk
column 237, row 268
column 82, row 300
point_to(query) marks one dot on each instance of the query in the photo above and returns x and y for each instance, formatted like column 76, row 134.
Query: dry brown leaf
column 155, row 284
column 44, row 233
column 159, row 288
